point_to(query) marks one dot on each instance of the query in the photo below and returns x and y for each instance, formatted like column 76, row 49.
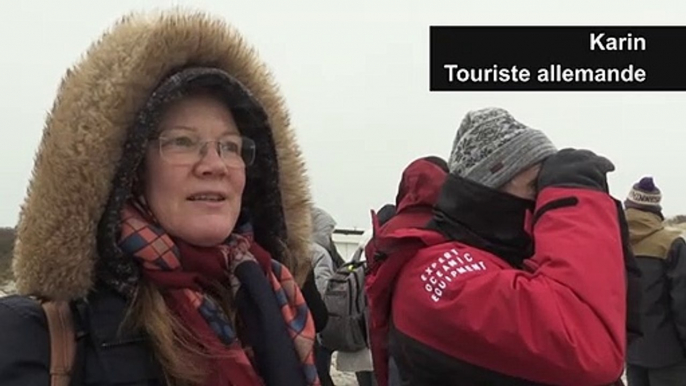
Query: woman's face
column 193, row 191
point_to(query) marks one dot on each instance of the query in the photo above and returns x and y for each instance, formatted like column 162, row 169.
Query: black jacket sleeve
column 24, row 343
column 676, row 274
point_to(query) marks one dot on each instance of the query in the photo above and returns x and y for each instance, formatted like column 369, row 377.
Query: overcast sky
column 355, row 76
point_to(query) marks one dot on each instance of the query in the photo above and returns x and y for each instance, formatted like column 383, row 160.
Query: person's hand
column 575, row 168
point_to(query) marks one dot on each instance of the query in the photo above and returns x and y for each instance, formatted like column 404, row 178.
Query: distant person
column 168, row 206
column 324, row 266
column 360, row 362
column 658, row 358
column 521, row 279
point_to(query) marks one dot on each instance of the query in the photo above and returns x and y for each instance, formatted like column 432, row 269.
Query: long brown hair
column 174, row 346
column 171, row 342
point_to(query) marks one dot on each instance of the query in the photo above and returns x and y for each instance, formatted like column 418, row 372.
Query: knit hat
column 491, row 147
column 644, row 195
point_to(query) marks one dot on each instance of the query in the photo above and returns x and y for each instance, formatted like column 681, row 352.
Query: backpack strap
column 62, row 341
column 357, row 256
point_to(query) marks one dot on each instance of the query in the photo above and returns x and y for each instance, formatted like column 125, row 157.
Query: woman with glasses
column 168, row 205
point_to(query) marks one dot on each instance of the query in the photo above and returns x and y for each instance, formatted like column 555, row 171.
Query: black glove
column 575, row 168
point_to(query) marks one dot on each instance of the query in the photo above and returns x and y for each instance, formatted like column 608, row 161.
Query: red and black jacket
column 418, row 191
column 481, row 304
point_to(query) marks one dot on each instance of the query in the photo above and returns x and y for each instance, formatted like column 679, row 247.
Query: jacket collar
column 485, row 218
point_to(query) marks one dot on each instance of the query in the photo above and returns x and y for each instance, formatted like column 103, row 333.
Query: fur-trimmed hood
column 79, row 184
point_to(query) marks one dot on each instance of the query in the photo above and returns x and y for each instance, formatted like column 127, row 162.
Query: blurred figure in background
column 658, row 358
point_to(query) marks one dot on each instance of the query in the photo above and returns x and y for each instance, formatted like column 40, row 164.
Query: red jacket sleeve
column 562, row 322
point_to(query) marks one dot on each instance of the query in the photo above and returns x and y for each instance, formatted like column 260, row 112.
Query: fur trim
column 83, row 141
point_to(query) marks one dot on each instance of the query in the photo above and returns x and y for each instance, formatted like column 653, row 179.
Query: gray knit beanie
column 491, row 147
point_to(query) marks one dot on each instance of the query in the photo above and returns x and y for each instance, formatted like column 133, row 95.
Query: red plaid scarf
column 184, row 271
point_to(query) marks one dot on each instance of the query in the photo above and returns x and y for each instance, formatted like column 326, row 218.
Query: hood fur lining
column 85, row 133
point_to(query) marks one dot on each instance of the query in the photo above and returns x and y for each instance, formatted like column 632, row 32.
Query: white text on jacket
column 439, row 274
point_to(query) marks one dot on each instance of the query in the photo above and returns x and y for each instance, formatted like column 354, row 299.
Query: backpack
column 346, row 302
column 62, row 341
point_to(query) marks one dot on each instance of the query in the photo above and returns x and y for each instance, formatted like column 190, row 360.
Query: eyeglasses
column 184, row 149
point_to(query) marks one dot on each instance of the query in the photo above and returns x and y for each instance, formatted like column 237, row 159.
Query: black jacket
column 103, row 357
column 661, row 257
